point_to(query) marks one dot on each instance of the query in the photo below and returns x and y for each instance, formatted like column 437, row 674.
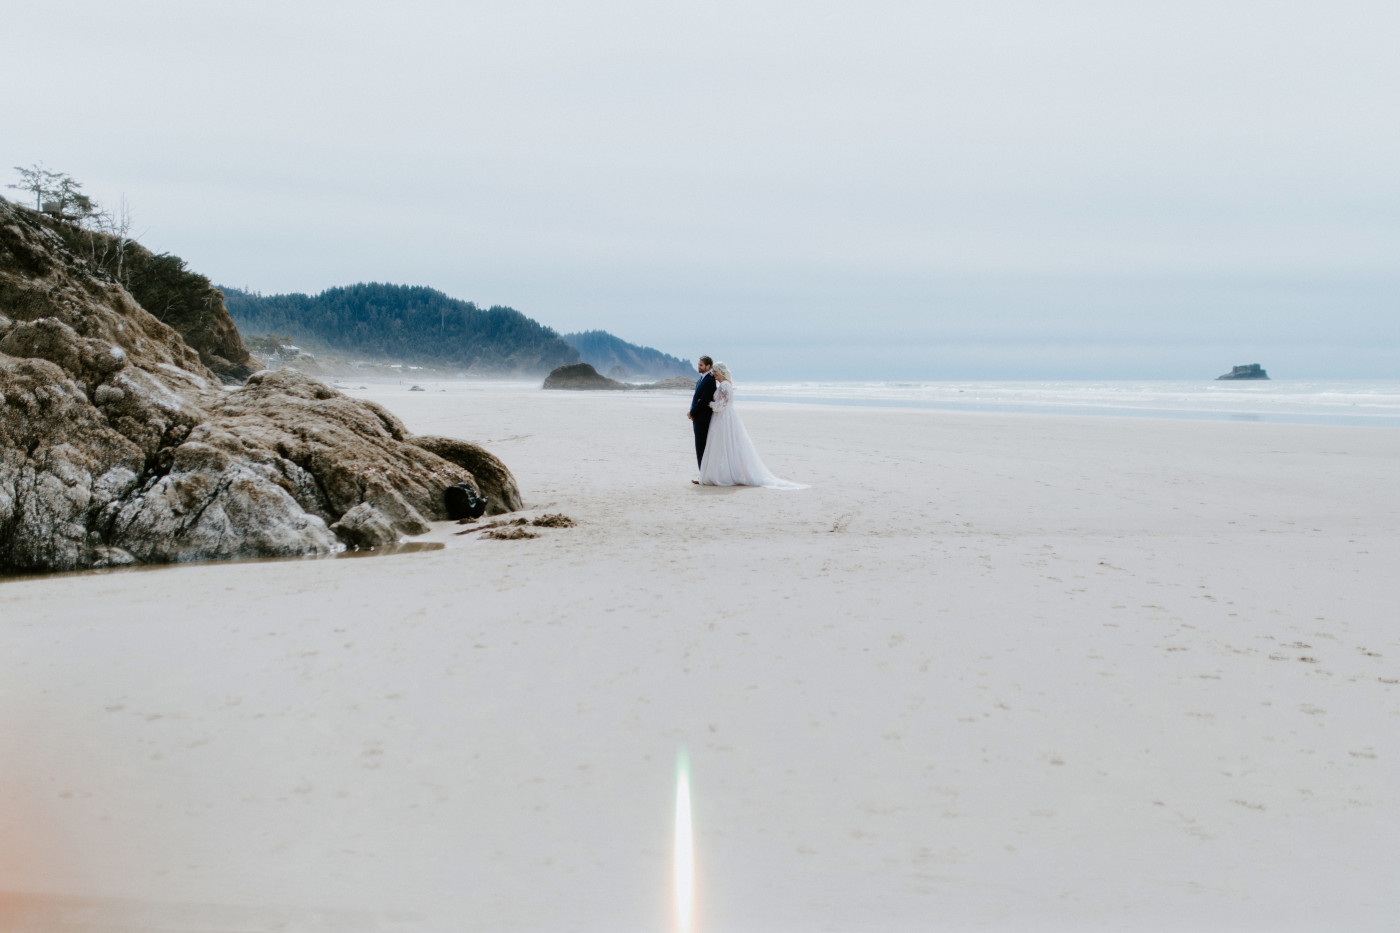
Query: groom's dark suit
column 700, row 412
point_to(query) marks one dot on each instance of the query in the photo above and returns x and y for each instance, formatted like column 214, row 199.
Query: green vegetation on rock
column 162, row 285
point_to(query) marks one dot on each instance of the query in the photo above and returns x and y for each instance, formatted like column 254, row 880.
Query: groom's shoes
column 696, row 482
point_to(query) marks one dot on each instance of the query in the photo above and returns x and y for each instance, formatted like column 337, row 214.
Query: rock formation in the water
column 117, row 444
column 584, row 376
column 580, row 376
column 1251, row 371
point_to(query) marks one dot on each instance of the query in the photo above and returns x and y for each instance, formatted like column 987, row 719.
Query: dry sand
column 988, row 672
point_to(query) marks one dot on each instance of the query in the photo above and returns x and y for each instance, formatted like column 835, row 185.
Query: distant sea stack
column 580, row 376
column 583, row 376
column 1251, row 371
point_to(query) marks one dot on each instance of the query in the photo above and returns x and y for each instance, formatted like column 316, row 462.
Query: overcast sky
column 857, row 190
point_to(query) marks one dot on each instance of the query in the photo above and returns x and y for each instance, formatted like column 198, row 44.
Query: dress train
column 730, row 457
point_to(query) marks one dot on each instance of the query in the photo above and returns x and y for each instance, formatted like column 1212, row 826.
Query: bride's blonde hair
column 722, row 372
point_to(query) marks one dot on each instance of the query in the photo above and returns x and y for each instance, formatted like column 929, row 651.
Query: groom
column 700, row 407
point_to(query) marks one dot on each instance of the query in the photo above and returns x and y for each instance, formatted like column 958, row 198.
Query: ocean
column 1366, row 402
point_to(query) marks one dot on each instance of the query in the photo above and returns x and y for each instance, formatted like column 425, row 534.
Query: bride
column 730, row 458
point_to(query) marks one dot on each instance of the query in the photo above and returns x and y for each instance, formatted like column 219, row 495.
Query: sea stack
column 1250, row 371
column 580, row 376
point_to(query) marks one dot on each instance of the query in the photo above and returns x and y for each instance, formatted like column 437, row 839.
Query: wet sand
column 989, row 672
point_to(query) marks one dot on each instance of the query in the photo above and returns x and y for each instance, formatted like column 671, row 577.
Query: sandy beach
column 990, row 671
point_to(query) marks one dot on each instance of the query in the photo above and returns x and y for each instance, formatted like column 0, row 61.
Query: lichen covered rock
column 211, row 505
column 118, row 445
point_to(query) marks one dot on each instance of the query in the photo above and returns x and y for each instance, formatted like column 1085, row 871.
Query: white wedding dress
column 730, row 458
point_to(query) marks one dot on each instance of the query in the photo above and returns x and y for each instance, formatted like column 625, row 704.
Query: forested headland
column 412, row 324
column 381, row 324
column 423, row 326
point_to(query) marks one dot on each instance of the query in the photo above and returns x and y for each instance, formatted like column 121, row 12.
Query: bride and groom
column 726, row 455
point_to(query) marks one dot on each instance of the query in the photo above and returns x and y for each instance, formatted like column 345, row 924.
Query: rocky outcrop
column 159, row 282
column 580, row 376
column 1251, row 371
column 584, row 376
column 118, row 445
column 493, row 480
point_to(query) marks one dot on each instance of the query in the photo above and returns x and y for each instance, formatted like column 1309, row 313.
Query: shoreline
column 1301, row 402
column 1094, row 411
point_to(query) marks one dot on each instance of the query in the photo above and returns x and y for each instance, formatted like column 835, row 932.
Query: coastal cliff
column 118, row 445
column 162, row 285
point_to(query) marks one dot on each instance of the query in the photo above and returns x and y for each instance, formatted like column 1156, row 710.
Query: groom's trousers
column 702, row 431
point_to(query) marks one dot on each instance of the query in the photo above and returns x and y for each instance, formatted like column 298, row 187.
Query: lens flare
column 685, row 848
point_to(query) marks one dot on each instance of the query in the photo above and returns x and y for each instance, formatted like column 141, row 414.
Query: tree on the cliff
column 70, row 201
column 35, row 179
column 109, row 233
column 55, row 192
column 117, row 235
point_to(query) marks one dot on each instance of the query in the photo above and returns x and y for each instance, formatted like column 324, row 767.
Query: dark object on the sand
column 553, row 520
column 417, row 389
column 1252, row 371
column 463, row 502
column 580, row 376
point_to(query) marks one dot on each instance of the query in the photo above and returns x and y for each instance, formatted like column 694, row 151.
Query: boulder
column 492, row 478
column 212, row 505
column 334, row 451
column 118, row 445
column 365, row 527
column 61, row 466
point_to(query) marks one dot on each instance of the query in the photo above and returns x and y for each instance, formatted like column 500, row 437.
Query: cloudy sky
column 929, row 190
